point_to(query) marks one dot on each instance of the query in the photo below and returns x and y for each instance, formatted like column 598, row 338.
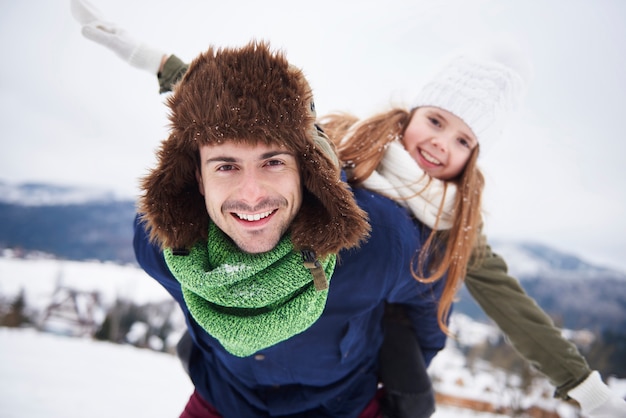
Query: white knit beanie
column 482, row 88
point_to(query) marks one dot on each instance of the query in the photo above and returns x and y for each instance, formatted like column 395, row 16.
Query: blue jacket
column 331, row 368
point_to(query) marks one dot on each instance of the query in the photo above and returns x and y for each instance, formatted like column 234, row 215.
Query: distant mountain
column 528, row 260
column 575, row 293
column 83, row 224
column 41, row 194
column 69, row 223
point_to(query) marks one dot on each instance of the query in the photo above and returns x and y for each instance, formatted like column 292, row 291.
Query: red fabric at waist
column 199, row 408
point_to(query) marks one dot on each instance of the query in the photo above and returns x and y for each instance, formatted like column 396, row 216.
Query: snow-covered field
column 51, row 376
column 44, row 375
column 48, row 376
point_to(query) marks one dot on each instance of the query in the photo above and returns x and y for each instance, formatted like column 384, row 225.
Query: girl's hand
column 597, row 400
column 116, row 39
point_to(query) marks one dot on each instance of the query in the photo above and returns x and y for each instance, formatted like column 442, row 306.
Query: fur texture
column 247, row 94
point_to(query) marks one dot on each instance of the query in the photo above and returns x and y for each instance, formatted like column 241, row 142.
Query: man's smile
column 251, row 217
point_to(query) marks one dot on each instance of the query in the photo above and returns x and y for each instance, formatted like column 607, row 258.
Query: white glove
column 116, row 39
column 84, row 12
column 596, row 399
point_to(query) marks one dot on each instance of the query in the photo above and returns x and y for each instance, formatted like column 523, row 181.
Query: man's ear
column 200, row 183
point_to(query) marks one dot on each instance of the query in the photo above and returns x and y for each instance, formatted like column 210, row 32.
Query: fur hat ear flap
column 172, row 206
column 329, row 219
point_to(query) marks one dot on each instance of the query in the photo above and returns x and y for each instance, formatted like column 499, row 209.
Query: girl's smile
column 439, row 142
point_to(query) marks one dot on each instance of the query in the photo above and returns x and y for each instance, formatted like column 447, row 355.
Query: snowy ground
column 43, row 375
column 62, row 377
column 47, row 376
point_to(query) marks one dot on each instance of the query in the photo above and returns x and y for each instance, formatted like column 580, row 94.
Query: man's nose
column 252, row 188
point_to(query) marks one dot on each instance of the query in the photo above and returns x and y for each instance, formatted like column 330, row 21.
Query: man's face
column 251, row 192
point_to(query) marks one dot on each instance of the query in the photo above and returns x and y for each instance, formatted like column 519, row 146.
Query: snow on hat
column 483, row 88
column 247, row 94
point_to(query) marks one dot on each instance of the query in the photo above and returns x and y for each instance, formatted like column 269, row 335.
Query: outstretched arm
column 96, row 28
column 534, row 335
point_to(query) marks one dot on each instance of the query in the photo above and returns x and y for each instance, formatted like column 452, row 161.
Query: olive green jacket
column 528, row 328
column 172, row 71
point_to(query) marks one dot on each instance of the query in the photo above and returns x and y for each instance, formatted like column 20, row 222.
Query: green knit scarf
column 248, row 302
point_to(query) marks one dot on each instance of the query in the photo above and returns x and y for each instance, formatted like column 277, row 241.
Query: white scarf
column 400, row 178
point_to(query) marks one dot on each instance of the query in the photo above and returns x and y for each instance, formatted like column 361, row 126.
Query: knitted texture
column 399, row 178
column 482, row 88
column 592, row 394
column 248, row 302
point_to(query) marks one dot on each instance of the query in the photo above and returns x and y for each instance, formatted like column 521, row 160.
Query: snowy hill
column 529, row 260
column 83, row 224
column 572, row 291
column 67, row 222
column 525, row 259
column 39, row 194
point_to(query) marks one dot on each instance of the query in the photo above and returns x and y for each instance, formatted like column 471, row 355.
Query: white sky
column 71, row 112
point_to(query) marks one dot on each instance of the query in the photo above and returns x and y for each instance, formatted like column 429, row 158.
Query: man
column 282, row 272
column 402, row 370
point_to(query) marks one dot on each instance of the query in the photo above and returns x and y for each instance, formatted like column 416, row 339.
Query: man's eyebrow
column 271, row 154
column 221, row 159
column 264, row 156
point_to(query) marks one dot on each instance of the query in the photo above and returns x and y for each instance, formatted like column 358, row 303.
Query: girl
column 426, row 159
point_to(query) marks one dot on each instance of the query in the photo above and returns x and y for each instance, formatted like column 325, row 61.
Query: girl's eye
column 434, row 121
column 464, row 142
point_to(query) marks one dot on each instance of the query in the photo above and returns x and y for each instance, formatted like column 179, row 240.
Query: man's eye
column 274, row 162
column 225, row 167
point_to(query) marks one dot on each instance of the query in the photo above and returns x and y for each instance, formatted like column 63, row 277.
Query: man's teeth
column 430, row 158
column 253, row 217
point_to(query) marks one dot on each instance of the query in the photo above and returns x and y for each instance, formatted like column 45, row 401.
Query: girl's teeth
column 429, row 158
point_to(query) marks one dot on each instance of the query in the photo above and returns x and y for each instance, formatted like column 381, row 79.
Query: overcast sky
column 73, row 113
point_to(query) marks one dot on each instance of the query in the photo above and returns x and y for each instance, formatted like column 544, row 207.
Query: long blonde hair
column 361, row 146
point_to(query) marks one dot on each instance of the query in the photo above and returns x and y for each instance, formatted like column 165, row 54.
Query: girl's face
column 439, row 142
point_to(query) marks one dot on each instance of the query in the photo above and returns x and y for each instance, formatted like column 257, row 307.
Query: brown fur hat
column 247, row 94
